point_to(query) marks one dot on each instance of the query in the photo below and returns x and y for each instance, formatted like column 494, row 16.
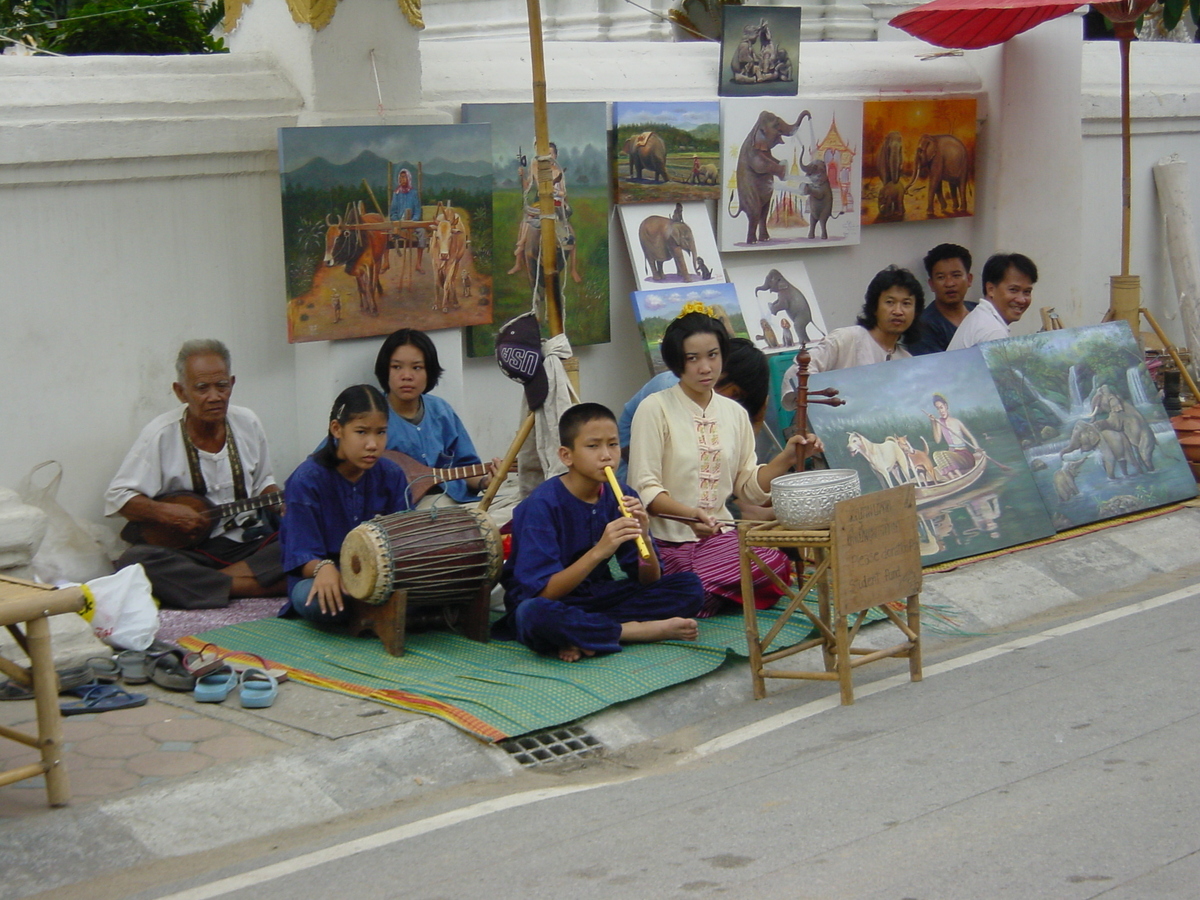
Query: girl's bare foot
column 676, row 629
column 574, row 654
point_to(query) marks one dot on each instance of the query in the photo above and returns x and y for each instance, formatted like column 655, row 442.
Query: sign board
column 877, row 550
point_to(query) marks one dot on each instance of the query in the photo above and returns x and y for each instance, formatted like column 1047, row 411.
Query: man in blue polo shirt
column 949, row 269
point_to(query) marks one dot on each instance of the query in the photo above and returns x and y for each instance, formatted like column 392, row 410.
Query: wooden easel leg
column 475, row 622
column 914, row 623
column 509, row 458
column 750, row 621
column 386, row 620
column 49, row 720
column 825, row 611
column 845, row 673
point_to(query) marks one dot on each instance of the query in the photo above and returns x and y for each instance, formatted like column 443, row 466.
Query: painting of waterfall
column 937, row 422
column 1090, row 421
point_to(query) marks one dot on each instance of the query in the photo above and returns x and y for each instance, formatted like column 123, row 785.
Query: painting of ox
column 778, row 302
column 667, row 152
column 937, row 422
column 579, row 132
column 655, row 310
column 671, row 244
column 1090, row 421
column 386, row 226
column 760, row 51
column 918, row 160
column 792, row 173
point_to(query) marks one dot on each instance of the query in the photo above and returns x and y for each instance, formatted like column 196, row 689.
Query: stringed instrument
column 173, row 539
column 421, row 478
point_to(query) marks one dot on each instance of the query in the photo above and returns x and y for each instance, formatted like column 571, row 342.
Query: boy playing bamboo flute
column 559, row 592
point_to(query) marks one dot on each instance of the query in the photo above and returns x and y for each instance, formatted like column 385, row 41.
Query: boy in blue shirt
column 560, row 595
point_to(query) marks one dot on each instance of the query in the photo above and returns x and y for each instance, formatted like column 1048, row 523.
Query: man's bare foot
column 515, row 269
column 676, row 629
column 574, row 654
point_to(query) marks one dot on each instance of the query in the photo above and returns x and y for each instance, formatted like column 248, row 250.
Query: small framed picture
column 760, row 51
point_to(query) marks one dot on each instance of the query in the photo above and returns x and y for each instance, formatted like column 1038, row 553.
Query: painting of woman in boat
column 935, row 422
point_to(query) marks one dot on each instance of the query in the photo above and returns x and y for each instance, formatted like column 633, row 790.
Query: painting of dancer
column 919, row 160
column 386, row 226
column 667, row 152
column 760, row 51
column 580, row 176
column 792, row 173
column 1090, row 421
column 939, row 425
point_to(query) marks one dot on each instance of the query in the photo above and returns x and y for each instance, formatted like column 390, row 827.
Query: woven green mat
column 494, row 690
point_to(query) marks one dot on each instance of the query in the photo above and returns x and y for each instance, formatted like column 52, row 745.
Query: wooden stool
column 868, row 558
column 33, row 604
column 390, row 619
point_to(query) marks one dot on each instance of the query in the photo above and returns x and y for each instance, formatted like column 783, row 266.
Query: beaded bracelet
column 321, row 563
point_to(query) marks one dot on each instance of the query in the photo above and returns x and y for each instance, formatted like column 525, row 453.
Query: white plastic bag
column 67, row 553
column 121, row 610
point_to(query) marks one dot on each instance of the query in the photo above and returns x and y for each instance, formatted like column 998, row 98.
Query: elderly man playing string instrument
column 199, row 551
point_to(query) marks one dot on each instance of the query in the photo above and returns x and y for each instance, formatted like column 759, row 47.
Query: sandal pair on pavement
column 96, row 698
column 258, row 688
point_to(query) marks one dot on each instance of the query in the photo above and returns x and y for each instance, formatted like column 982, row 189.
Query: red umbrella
column 972, row 24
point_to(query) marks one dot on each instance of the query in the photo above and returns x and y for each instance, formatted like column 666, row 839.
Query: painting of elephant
column 789, row 299
column 889, row 159
column 820, row 196
column 944, row 160
column 647, row 153
column 665, row 239
column 709, row 174
column 757, row 169
column 1115, row 449
column 1125, row 418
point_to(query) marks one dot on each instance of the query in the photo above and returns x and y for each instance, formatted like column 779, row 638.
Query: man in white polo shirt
column 1008, row 280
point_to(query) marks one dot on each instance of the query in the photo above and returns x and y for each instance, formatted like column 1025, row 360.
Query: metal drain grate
column 559, row 745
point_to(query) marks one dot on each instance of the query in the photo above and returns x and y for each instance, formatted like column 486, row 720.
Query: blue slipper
column 102, row 698
column 215, row 687
column 259, row 689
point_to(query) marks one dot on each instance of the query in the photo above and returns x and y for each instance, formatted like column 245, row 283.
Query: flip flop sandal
column 199, row 663
column 103, row 698
column 280, row 675
column 258, row 689
column 68, row 678
column 134, row 666
column 167, row 672
column 215, row 687
column 104, row 669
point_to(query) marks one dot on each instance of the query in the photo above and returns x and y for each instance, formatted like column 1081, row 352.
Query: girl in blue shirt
column 343, row 484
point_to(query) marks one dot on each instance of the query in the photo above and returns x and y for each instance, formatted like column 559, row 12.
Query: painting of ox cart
column 918, row 160
column 792, row 173
column 760, row 51
column 386, row 226
column 655, row 310
column 936, row 422
column 1090, row 421
column 579, row 132
column 667, row 152
column 778, row 302
column 671, row 244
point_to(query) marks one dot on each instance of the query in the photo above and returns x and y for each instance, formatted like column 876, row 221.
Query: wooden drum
column 438, row 555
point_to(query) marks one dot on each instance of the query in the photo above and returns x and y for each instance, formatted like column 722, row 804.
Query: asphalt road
column 1058, row 763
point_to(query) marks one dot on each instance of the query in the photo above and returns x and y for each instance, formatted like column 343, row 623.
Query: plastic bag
column 121, row 610
column 67, row 553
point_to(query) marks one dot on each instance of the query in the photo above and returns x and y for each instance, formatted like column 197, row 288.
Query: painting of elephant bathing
column 792, row 173
column 667, row 152
column 1090, row 421
column 386, row 226
column 760, row 51
column 778, row 302
column 655, row 310
column 936, row 422
column 579, row 135
column 671, row 244
column 919, row 160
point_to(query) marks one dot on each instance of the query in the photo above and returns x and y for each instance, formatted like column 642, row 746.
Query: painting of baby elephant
column 674, row 235
column 820, row 196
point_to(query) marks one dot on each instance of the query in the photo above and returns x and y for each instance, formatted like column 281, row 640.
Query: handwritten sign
column 876, row 548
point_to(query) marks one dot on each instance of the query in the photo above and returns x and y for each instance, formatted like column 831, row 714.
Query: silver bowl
column 804, row 500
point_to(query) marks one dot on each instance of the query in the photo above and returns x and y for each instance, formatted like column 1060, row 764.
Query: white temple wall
column 139, row 206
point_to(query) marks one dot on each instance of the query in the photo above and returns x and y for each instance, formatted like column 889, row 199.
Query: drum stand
column 389, row 620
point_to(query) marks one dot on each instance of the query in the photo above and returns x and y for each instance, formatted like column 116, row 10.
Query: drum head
column 366, row 564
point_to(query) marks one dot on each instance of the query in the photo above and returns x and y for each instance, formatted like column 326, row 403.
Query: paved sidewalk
column 177, row 777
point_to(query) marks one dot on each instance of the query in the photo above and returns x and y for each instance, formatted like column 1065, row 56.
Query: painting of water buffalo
column 792, row 173
column 778, row 302
column 1090, row 422
column 919, row 160
column 671, row 244
column 760, row 51
column 666, row 152
column 579, row 132
column 655, row 310
column 386, row 226
column 936, row 422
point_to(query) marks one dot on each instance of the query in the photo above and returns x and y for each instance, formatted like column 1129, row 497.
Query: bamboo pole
column 506, row 464
column 545, row 182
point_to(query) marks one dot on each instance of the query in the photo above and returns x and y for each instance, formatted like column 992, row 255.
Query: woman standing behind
column 690, row 448
column 419, row 424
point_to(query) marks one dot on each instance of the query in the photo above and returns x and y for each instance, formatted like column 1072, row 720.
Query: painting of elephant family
column 1090, row 421
column 671, row 244
column 919, row 160
column 666, row 152
column 792, row 174
column 760, row 51
column 777, row 301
